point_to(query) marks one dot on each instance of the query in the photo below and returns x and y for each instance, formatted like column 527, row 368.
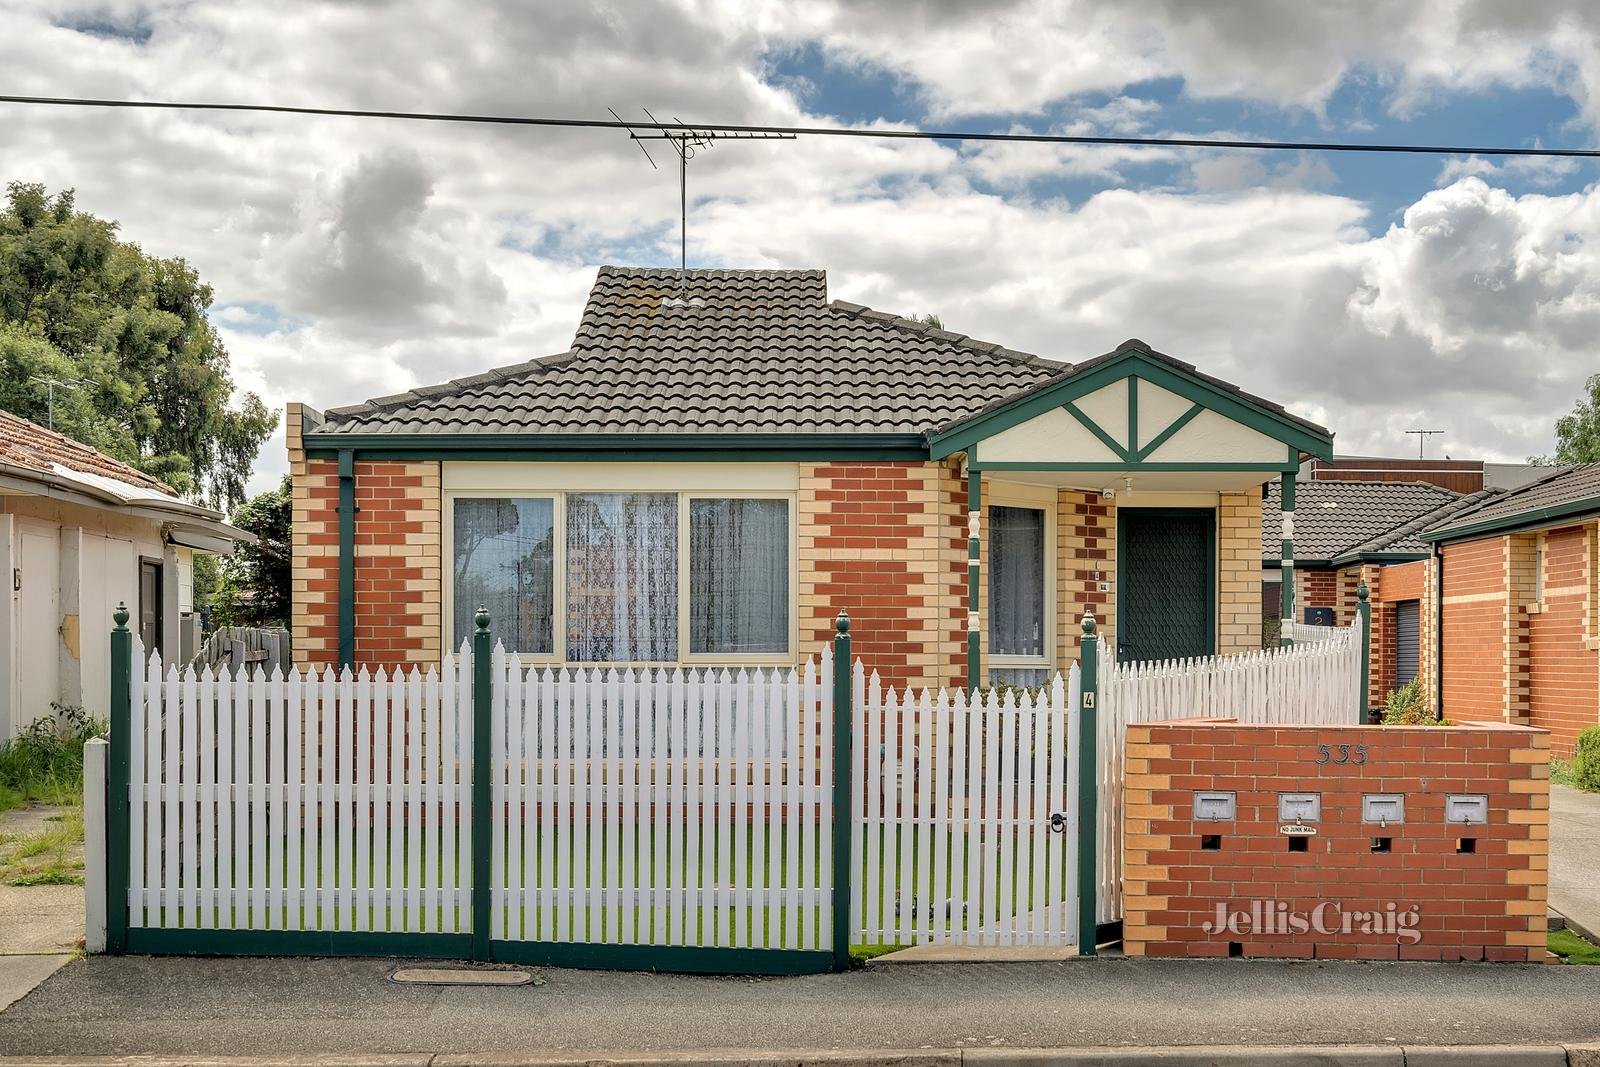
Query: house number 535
column 1325, row 754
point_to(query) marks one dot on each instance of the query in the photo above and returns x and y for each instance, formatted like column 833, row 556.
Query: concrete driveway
column 1575, row 858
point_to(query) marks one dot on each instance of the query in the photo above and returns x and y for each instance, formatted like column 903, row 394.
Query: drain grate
column 460, row 976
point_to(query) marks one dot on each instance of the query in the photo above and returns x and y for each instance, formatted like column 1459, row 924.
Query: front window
column 1017, row 582
column 627, row 577
column 503, row 561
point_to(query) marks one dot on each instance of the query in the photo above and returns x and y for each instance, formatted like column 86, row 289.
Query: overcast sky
column 353, row 259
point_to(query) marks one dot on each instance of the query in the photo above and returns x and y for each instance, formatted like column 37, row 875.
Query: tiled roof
column 1332, row 518
column 1564, row 491
column 725, row 352
column 27, row 444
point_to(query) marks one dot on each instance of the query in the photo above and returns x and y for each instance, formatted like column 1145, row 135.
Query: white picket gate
column 1318, row 682
column 307, row 801
column 662, row 807
column 955, row 840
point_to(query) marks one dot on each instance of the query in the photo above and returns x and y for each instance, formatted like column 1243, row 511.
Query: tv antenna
column 1422, row 439
column 51, row 385
column 686, row 141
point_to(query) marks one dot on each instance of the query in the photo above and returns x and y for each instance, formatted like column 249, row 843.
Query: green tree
column 1578, row 434
column 252, row 583
column 77, row 303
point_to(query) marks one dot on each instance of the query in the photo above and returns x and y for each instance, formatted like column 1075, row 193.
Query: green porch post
column 843, row 807
column 117, row 809
column 1286, row 608
column 974, row 523
column 347, row 558
column 1364, row 614
column 482, row 803
column 1088, row 787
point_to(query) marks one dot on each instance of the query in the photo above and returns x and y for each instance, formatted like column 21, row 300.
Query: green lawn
column 1573, row 949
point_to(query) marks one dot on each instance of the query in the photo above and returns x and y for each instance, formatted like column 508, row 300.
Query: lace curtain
column 622, row 577
column 1016, row 581
column 503, row 560
column 738, row 576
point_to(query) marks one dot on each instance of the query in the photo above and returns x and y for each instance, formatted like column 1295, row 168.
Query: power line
column 820, row 131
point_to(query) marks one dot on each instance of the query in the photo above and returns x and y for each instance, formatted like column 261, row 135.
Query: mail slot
column 1299, row 807
column 1213, row 806
column 1383, row 807
column 1469, row 808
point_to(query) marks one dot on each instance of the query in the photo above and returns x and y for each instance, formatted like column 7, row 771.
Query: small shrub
column 1405, row 706
column 1586, row 760
column 45, row 761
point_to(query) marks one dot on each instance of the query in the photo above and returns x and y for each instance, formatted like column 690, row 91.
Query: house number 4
column 1325, row 754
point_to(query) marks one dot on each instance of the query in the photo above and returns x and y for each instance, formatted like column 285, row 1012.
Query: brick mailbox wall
column 1415, row 888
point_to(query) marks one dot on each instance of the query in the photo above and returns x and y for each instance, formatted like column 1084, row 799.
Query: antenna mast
column 1422, row 439
column 685, row 141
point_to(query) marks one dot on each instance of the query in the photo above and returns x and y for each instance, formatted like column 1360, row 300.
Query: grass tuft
column 44, row 763
column 1573, row 949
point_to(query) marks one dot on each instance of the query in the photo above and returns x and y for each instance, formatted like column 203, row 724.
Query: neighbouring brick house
column 1348, row 531
column 1520, row 605
column 724, row 460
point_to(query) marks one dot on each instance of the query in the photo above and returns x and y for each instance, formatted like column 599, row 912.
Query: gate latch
column 1058, row 822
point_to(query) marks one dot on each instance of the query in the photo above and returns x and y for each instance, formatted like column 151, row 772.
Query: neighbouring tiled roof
column 1332, row 518
column 728, row 351
column 27, row 444
column 1561, row 490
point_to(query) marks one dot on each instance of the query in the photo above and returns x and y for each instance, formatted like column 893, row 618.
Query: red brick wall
column 397, row 568
column 1563, row 687
column 886, row 542
column 1315, row 589
column 1476, row 632
column 1488, row 904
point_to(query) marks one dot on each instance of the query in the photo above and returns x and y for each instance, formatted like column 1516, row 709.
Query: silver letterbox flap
column 1299, row 807
column 1469, row 808
column 1383, row 807
column 1213, row 805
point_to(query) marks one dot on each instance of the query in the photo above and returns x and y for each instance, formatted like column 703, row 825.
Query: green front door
column 1166, row 582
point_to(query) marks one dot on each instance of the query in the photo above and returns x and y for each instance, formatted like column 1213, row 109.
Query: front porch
column 1132, row 490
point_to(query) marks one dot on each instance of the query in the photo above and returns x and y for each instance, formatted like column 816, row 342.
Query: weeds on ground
column 44, row 763
column 1561, row 771
column 1573, row 949
column 52, row 856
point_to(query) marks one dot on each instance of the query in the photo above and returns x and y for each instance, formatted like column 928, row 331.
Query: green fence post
column 843, row 812
column 1364, row 613
column 1088, row 787
column 482, row 695
column 117, row 806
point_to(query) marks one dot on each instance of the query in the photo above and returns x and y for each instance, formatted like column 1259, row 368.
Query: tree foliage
column 251, row 585
column 78, row 303
column 1578, row 434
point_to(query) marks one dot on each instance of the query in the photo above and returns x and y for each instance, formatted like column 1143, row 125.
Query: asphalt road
column 104, row 1006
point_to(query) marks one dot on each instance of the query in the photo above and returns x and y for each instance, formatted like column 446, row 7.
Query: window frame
column 558, row 628
column 1014, row 495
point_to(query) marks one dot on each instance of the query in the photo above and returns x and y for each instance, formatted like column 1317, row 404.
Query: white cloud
column 359, row 259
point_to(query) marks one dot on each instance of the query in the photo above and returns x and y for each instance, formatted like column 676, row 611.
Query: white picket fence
column 1317, row 682
column 304, row 801
column 663, row 807
column 954, row 839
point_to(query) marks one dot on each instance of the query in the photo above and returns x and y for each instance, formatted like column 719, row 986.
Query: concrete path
column 40, row 928
column 302, row 1007
column 1575, row 858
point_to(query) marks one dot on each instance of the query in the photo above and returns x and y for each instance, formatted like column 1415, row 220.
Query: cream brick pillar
column 1239, row 571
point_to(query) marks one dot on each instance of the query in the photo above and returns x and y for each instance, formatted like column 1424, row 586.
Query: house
column 81, row 532
column 724, row 460
column 1517, row 612
column 1457, row 475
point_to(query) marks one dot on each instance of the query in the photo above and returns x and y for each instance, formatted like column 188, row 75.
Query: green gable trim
column 1516, row 523
column 1132, row 363
column 1165, row 435
column 1134, row 468
column 1094, row 428
column 634, row 448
